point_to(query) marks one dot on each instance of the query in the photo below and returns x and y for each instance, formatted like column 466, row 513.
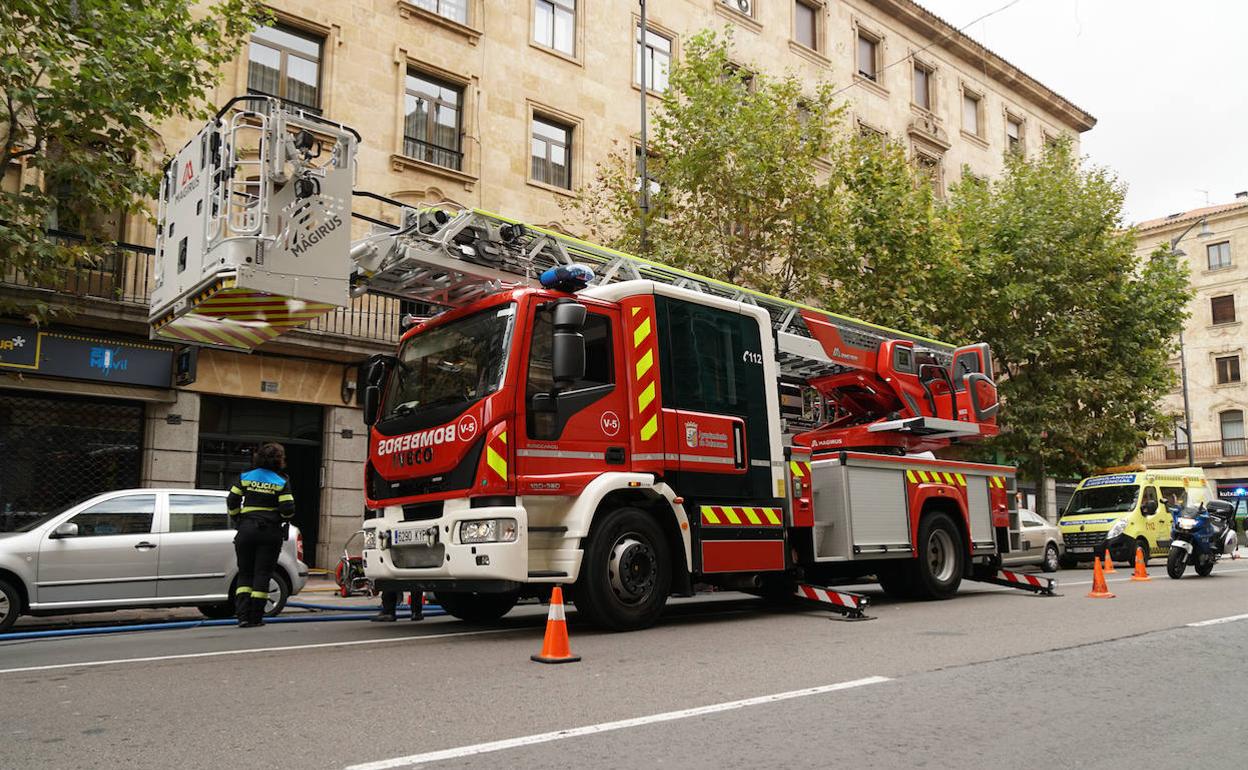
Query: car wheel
column 626, row 574
column 279, row 592
column 1051, row 559
column 10, row 606
column 1176, row 563
column 474, row 607
column 937, row 572
column 217, row 611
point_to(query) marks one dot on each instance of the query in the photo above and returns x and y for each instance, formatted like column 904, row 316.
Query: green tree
column 83, row 83
column 741, row 165
column 1081, row 327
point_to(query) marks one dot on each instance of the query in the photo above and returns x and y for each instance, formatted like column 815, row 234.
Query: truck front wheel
column 937, row 572
column 474, row 607
column 626, row 573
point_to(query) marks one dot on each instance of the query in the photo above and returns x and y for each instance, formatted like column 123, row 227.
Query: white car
column 134, row 548
column 1039, row 543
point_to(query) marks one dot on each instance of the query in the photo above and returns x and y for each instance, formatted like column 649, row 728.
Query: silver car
column 130, row 549
column 1039, row 543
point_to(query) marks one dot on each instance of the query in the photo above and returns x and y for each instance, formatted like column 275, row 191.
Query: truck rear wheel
column 474, row 607
column 626, row 573
column 937, row 573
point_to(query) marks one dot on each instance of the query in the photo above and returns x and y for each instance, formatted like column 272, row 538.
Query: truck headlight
column 1186, row 522
column 487, row 531
column 1116, row 530
column 370, row 539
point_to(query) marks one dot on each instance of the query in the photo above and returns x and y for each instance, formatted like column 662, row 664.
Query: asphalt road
column 993, row 678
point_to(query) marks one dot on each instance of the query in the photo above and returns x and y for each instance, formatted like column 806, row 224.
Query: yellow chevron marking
column 731, row 513
column 923, row 476
column 645, row 397
column 650, row 428
column 496, row 462
column 644, row 363
column 641, row 332
column 503, row 437
column 752, row 515
column 961, row 479
column 636, row 310
column 773, row 515
column 708, row 515
column 910, row 477
column 949, row 478
column 796, row 468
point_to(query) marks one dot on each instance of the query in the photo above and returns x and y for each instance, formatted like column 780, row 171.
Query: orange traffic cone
column 1108, row 564
column 555, row 647
column 1099, row 589
column 1141, row 571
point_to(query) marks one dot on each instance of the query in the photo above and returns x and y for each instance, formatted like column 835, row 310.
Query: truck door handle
column 143, row 544
column 738, row 445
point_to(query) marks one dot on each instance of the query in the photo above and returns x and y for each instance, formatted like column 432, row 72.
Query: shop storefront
column 72, row 408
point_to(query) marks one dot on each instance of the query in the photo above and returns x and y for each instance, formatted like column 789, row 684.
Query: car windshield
column 1115, row 499
column 455, row 363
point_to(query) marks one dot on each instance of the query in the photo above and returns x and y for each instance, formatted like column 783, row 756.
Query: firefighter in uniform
column 261, row 506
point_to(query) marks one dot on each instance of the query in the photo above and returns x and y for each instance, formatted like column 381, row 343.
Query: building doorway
column 230, row 429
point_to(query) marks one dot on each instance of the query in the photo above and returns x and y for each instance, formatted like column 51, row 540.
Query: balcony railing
column 126, row 273
column 1234, row 449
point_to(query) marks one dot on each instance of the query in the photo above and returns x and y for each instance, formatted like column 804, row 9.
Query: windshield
column 458, row 362
column 1116, row 499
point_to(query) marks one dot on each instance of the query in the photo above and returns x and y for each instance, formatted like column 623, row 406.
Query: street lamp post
column 643, row 186
column 1187, row 409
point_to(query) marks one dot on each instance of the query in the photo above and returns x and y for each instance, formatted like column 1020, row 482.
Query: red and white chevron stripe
column 1028, row 580
column 828, row 596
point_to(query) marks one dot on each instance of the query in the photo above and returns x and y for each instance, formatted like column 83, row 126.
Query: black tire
column 217, row 611
column 1176, row 563
column 937, row 572
column 472, row 607
column 1068, row 562
column 278, row 595
column 897, row 580
column 1051, row 558
column 1141, row 544
column 10, row 606
column 626, row 574
column 1204, row 566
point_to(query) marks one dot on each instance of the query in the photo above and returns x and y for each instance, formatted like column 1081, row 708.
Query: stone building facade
column 1214, row 240
column 504, row 105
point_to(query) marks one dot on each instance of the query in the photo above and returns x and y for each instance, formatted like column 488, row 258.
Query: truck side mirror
column 568, row 346
column 372, row 377
column 1148, row 507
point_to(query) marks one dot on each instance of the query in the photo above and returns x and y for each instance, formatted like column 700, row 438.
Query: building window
column 456, row 10
column 1013, row 134
column 655, row 54
column 285, row 63
column 868, row 55
column 1219, row 255
column 1222, row 309
column 1233, row 432
column 930, row 166
column 554, row 24
column 551, row 150
column 923, row 87
column 970, row 113
column 806, row 24
column 431, row 121
column 1228, row 369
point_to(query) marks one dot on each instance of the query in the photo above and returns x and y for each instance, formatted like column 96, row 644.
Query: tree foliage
column 1080, row 326
column 83, row 83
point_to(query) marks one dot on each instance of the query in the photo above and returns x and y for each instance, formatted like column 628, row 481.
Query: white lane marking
column 1216, row 621
column 1128, row 578
column 558, row 735
column 253, row 650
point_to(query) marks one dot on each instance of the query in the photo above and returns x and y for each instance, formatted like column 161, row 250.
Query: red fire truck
column 584, row 417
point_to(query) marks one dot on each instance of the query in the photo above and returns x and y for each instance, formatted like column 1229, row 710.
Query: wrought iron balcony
column 1204, row 452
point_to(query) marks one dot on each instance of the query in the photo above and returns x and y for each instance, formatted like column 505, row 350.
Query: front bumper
column 447, row 563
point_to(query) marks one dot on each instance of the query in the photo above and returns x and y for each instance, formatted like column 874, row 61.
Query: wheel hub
column 4, row 606
column 633, row 569
column 275, row 593
column 940, row 555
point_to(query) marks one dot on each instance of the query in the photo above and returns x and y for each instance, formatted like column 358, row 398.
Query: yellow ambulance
column 1127, row 509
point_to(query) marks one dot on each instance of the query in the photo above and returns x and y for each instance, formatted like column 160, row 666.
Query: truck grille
column 417, row 556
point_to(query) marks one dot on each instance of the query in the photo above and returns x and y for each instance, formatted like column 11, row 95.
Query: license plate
column 420, row 536
column 1081, row 549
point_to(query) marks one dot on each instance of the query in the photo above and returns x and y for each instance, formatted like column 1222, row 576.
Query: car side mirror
column 568, row 345
column 1148, row 507
column 68, row 529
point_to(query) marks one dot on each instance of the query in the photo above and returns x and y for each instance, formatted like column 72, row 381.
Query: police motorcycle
column 1201, row 536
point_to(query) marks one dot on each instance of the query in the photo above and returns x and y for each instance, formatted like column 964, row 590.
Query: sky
column 1167, row 83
